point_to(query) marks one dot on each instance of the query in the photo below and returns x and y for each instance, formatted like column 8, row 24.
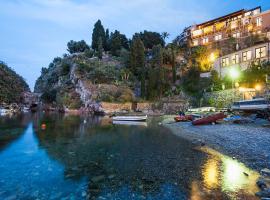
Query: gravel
column 249, row 143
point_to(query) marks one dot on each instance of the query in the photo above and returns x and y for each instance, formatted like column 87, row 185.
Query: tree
column 151, row 39
column 137, row 61
column 157, row 62
column 165, row 35
column 98, row 32
column 77, row 47
column 107, row 40
column 117, row 42
column 100, row 48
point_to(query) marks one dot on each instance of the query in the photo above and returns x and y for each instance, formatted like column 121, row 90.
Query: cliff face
column 12, row 85
column 77, row 81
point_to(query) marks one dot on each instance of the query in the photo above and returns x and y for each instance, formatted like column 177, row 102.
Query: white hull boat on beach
column 130, row 118
column 130, row 123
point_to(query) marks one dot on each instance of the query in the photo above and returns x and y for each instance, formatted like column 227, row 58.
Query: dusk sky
column 33, row 32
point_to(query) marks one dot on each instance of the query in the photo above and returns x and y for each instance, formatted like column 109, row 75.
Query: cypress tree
column 107, row 40
column 100, row 48
column 157, row 64
column 137, row 61
column 98, row 32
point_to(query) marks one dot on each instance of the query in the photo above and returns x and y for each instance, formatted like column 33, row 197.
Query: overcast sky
column 33, row 32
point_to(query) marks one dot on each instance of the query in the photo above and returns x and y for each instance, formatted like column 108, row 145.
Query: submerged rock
column 265, row 171
column 98, row 178
column 264, row 193
column 261, row 184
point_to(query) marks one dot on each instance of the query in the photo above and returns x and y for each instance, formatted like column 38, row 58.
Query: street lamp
column 234, row 74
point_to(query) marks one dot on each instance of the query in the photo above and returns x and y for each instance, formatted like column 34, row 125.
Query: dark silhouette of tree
column 98, row 32
column 77, row 47
column 137, row 61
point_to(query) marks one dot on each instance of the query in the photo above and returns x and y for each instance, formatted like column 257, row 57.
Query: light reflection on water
column 132, row 162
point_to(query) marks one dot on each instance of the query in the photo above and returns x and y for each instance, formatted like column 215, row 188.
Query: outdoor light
column 234, row 73
column 258, row 87
column 212, row 57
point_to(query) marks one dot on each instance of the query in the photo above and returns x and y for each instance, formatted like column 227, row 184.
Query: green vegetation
column 12, row 85
column 77, row 47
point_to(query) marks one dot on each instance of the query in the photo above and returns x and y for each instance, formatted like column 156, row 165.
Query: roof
column 228, row 16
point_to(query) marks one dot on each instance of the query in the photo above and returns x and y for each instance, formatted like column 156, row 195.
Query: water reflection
column 231, row 176
column 90, row 158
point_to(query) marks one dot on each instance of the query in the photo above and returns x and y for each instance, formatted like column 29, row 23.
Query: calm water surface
column 78, row 157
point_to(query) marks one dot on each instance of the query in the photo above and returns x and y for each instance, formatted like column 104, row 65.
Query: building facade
column 242, row 58
column 239, row 24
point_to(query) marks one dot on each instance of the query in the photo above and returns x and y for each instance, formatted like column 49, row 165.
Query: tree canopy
column 98, row 32
column 77, row 47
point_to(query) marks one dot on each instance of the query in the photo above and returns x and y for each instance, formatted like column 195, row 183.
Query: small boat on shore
column 130, row 123
column 183, row 118
column 209, row 119
column 130, row 118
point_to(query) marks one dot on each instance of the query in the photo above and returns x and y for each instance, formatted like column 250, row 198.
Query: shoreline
column 248, row 143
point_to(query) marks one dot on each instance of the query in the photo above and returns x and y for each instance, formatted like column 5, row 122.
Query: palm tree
column 165, row 35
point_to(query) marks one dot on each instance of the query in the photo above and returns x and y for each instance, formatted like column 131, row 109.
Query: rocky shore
column 248, row 143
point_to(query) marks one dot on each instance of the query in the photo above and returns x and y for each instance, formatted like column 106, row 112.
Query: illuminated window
column 259, row 21
column 225, row 62
column 236, row 35
column 235, row 59
column 195, row 42
column 218, row 37
column 234, row 24
column 205, row 40
column 246, row 56
column 260, row 52
column 197, row 32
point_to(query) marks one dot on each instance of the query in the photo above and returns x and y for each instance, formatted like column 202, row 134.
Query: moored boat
column 183, row 118
column 209, row 119
column 129, row 118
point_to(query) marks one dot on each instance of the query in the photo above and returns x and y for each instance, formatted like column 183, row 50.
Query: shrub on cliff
column 12, row 85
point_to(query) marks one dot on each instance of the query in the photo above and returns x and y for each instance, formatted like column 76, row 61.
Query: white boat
column 130, row 123
column 251, row 105
column 130, row 118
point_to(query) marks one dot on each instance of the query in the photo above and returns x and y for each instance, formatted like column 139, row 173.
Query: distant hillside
column 11, row 85
column 80, row 81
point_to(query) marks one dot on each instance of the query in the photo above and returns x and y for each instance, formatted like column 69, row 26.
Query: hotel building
column 239, row 24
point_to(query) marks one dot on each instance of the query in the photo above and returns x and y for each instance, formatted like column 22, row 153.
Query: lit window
column 260, row 52
column 218, row 37
column 246, row 56
column 234, row 24
column 235, row 59
column 236, row 35
column 197, row 32
column 195, row 42
column 205, row 40
column 225, row 62
column 259, row 21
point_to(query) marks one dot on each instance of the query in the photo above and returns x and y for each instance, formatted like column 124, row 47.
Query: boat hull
column 130, row 118
column 208, row 120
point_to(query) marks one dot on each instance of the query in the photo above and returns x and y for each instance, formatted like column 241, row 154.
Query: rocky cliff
column 12, row 85
column 77, row 81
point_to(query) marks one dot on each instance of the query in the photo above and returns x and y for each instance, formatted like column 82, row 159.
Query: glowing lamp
column 234, row 73
column 258, row 87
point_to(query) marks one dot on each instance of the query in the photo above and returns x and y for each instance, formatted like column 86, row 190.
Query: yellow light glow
column 212, row 57
column 258, row 87
column 211, row 174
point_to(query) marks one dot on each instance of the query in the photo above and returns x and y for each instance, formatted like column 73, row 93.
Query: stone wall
column 224, row 98
column 175, row 106
column 145, row 106
column 115, row 107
